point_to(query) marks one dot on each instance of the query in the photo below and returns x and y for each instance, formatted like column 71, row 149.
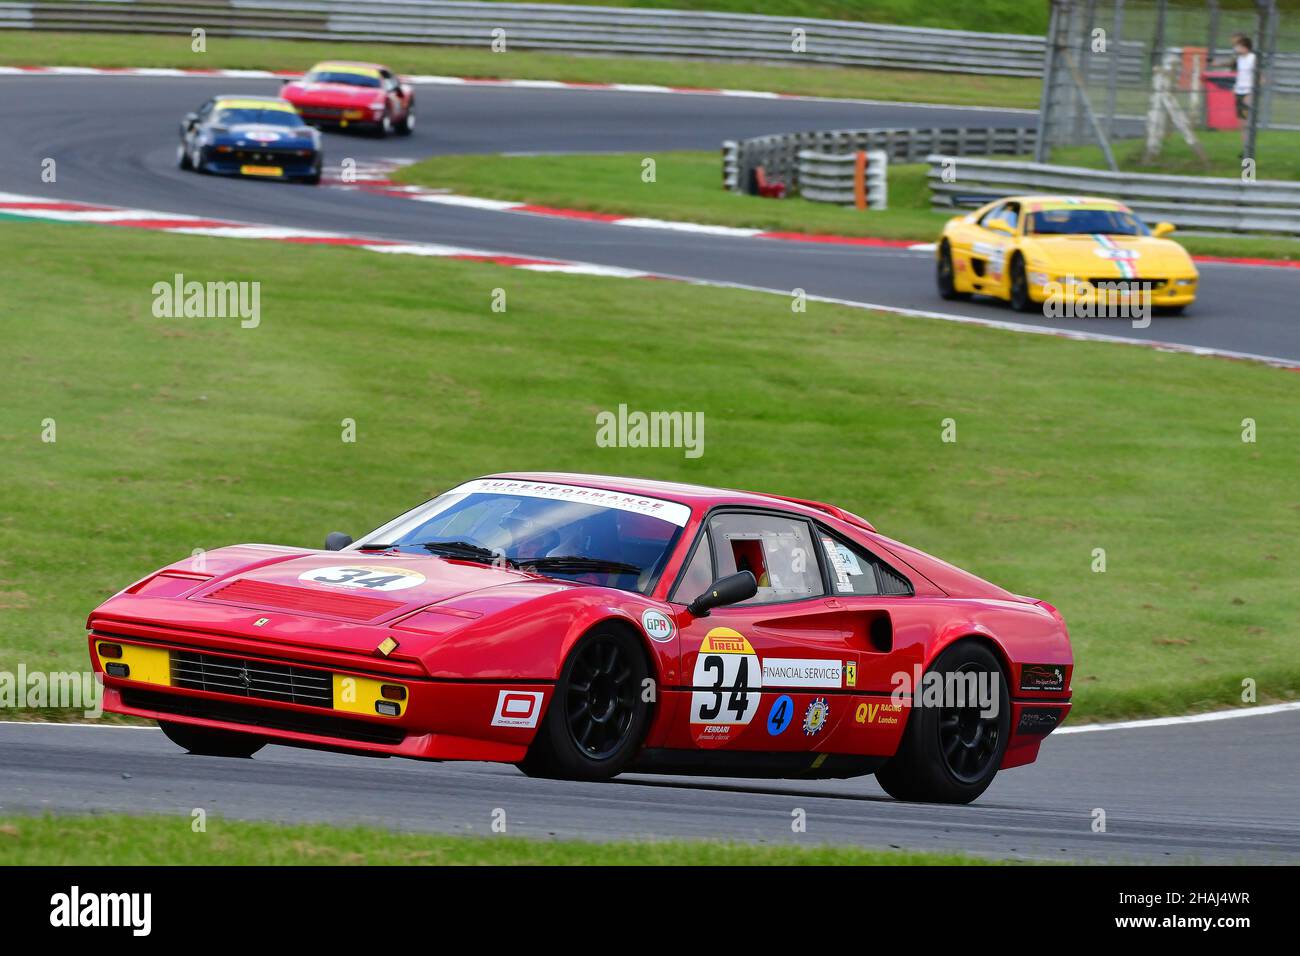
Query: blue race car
column 250, row 136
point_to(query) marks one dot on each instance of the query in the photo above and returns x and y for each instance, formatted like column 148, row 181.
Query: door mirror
column 337, row 540
column 1000, row 225
column 732, row 589
column 1163, row 229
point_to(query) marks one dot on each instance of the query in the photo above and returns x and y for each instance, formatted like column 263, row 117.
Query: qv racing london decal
column 368, row 577
column 729, row 672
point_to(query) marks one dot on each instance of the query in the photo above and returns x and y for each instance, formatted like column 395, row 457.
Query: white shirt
column 1245, row 75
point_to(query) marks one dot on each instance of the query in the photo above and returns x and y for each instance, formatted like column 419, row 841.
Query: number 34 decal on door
column 728, row 682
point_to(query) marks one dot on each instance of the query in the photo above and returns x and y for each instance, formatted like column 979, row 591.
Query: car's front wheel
column 211, row 743
column 1021, row 300
column 598, row 714
column 951, row 753
column 183, row 157
column 944, row 275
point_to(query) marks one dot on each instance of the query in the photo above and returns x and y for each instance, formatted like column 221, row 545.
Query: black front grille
column 1128, row 285
column 248, row 678
column 280, row 156
column 320, row 725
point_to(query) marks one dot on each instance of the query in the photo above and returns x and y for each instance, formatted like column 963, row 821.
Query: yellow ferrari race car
column 1077, row 252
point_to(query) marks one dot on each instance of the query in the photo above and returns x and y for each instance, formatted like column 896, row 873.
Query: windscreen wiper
column 465, row 550
column 578, row 562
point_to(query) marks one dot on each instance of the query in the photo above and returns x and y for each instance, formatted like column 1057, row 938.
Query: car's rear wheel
column 211, row 743
column 945, row 276
column 598, row 714
column 1021, row 300
column 950, row 753
column 407, row 123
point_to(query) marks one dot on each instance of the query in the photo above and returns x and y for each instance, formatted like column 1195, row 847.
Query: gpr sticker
column 369, row 577
column 728, row 667
column 658, row 626
column 518, row 708
column 780, row 716
column 814, row 719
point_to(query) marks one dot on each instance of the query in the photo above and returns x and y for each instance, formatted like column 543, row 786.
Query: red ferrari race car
column 581, row 626
column 353, row 96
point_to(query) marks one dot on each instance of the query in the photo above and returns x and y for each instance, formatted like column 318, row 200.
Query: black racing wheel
column 1021, row 300
column 950, row 754
column 944, row 276
column 598, row 714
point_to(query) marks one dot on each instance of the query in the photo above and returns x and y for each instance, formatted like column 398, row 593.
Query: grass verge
column 176, row 434
column 1278, row 152
column 32, row 47
column 688, row 187
column 164, row 840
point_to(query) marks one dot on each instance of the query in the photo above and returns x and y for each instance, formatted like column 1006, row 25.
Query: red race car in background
column 580, row 626
column 349, row 95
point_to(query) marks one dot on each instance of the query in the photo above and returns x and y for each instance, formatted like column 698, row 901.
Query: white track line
column 1189, row 719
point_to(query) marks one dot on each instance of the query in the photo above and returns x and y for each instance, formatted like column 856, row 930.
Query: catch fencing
column 577, row 29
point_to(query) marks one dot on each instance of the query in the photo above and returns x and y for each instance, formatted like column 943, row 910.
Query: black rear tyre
column 950, row 754
column 597, row 717
column 212, row 743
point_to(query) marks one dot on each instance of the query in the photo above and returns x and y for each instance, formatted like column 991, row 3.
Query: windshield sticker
column 671, row 511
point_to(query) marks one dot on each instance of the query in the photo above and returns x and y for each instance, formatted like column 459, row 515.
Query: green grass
column 688, row 186
column 989, row 16
column 31, row 47
column 1278, row 152
column 178, row 434
column 169, row 840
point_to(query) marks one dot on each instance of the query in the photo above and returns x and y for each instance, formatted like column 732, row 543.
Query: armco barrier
column 778, row 154
column 1264, row 206
column 559, row 27
column 844, row 179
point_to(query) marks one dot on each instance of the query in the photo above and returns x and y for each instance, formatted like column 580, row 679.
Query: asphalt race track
column 114, row 140
column 1207, row 792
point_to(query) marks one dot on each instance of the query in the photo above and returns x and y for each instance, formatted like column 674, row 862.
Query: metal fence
column 845, row 179
column 1270, row 207
column 778, row 153
column 579, row 29
column 1128, row 68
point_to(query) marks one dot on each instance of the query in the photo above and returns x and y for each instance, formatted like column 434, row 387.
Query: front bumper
column 261, row 167
column 434, row 720
column 1165, row 293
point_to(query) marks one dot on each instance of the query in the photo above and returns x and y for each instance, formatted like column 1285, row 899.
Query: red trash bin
column 1220, row 103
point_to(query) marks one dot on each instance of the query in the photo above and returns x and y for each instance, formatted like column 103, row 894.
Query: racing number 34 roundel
column 728, row 682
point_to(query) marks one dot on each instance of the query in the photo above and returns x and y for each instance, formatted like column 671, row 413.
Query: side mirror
column 1163, row 229
column 337, row 541
column 732, row 589
column 1000, row 225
